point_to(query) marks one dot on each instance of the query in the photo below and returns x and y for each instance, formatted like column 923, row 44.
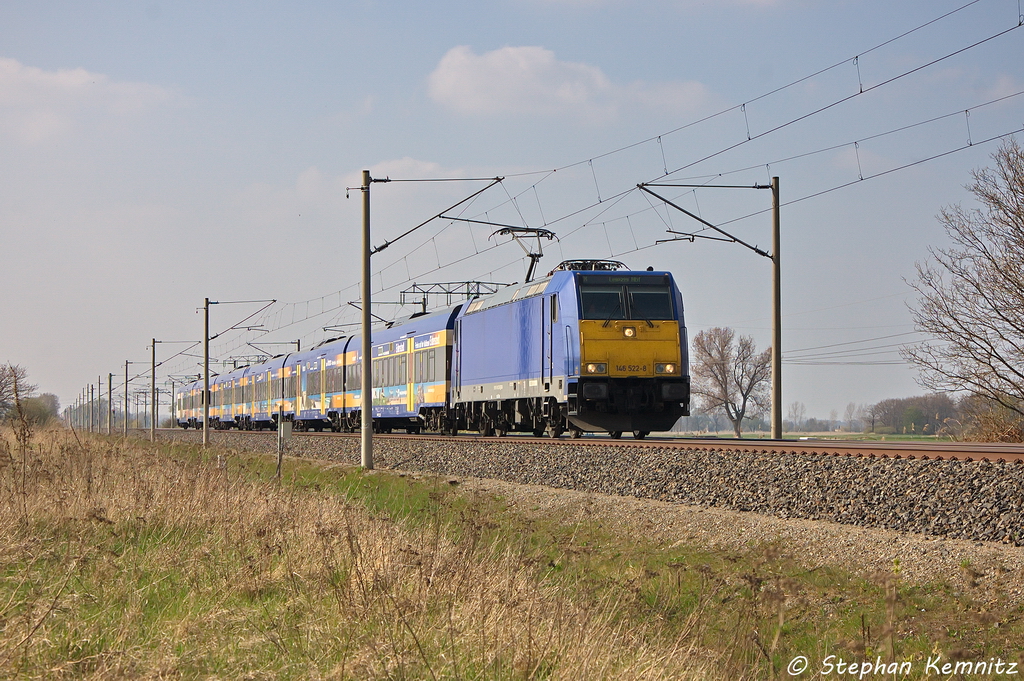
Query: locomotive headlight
column 629, row 332
column 667, row 368
column 597, row 368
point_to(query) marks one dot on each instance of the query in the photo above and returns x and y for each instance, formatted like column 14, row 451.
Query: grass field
column 122, row 559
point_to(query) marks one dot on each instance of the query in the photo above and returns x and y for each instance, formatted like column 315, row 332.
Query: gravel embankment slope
column 931, row 516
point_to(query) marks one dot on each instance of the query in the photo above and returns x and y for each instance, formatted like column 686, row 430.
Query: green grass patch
column 126, row 559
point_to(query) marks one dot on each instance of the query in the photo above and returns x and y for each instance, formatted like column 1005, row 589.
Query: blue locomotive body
column 578, row 350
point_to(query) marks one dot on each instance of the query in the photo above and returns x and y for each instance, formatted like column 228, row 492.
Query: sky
column 153, row 154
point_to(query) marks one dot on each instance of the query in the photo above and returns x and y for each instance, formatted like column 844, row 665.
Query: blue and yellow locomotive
column 581, row 350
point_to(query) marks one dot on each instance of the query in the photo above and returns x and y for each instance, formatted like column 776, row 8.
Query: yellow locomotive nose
column 627, row 349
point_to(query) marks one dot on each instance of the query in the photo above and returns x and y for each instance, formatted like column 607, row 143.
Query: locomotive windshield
column 650, row 303
column 602, row 302
column 640, row 298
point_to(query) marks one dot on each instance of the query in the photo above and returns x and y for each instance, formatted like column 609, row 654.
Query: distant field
column 122, row 559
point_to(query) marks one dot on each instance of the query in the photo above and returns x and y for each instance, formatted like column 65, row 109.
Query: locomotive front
column 633, row 368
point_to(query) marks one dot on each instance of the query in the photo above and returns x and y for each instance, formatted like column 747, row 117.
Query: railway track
column 956, row 490
column 995, row 452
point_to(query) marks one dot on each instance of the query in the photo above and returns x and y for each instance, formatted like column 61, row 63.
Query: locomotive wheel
column 486, row 427
column 555, row 430
column 575, row 433
column 640, row 434
column 615, row 434
column 538, row 431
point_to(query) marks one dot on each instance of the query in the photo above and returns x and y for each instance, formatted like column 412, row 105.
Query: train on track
column 588, row 348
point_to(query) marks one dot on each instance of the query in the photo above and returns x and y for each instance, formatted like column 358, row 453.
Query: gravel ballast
column 927, row 518
column 951, row 499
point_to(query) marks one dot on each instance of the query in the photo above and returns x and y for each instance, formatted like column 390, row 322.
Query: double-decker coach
column 321, row 388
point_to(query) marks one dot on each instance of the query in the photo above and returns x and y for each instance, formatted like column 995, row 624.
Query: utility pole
column 776, row 316
column 152, row 385
column 206, row 372
column 110, row 404
column 206, row 354
column 776, row 416
column 127, row 404
column 366, row 410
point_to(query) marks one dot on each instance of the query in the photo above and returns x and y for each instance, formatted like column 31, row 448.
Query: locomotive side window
column 602, row 302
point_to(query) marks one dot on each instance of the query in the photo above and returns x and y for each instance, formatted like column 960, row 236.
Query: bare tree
column 13, row 377
column 851, row 416
column 728, row 374
column 972, row 296
column 797, row 414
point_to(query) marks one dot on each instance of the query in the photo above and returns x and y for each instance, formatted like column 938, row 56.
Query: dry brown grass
column 123, row 560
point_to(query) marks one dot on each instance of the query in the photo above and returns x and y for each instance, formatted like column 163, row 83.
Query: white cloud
column 1004, row 86
column 516, row 81
column 38, row 105
column 412, row 168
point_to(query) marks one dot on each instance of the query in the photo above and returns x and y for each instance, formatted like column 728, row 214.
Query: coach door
column 548, row 322
column 544, row 332
column 457, row 362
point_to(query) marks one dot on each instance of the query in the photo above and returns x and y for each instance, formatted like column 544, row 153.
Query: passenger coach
column 322, row 388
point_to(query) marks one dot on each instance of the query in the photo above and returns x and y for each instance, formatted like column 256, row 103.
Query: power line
column 736, row 107
column 618, row 197
column 866, row 340
column 843, row 100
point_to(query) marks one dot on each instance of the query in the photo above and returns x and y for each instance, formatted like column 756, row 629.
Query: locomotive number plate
column 631, row 367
